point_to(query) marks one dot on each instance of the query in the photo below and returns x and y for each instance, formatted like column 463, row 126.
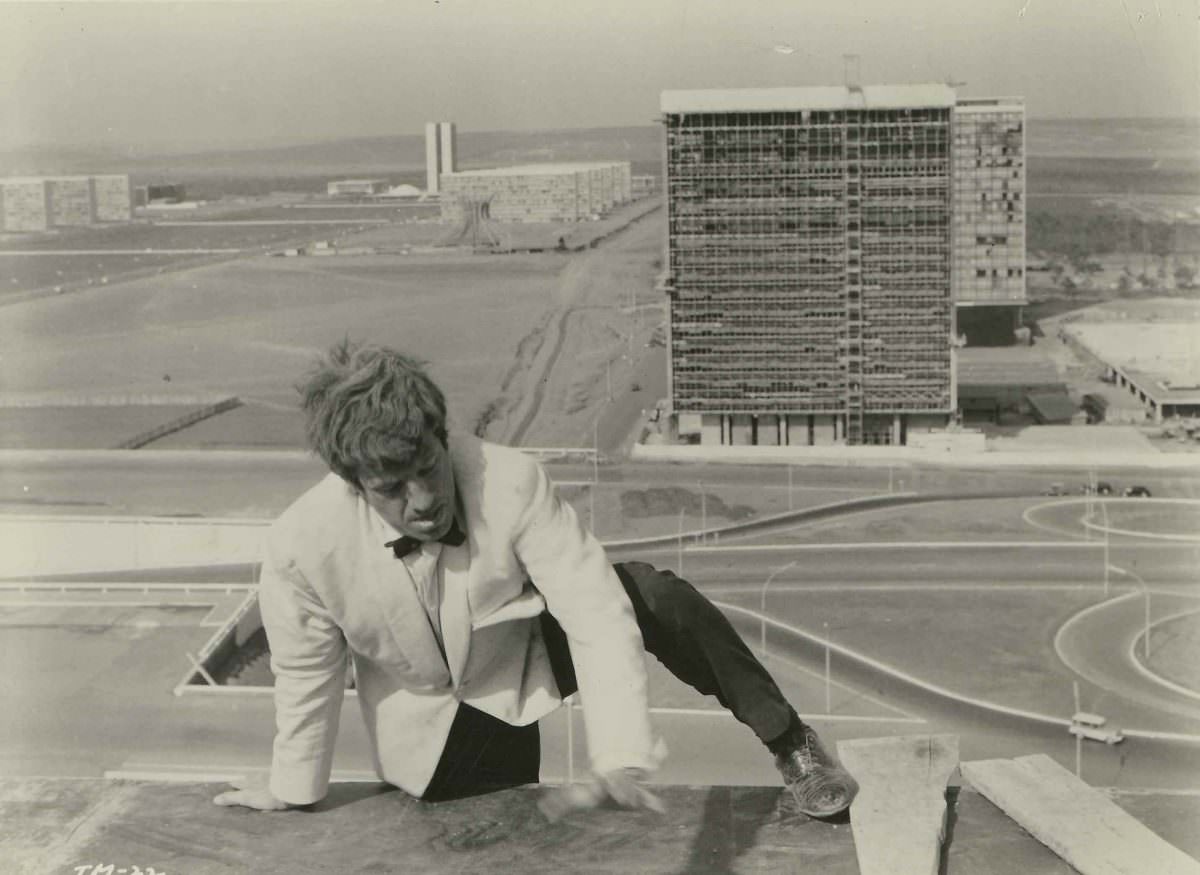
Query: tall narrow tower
column 441, row 148
column 448, row 140
column 433, row 157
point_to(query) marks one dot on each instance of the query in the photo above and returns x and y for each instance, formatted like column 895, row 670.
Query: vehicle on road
column 1101, row 488
column 1092, row 727
column 1137, row 492
column 1056, row 489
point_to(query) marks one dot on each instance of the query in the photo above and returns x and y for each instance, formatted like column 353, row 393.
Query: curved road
column 1098, row 642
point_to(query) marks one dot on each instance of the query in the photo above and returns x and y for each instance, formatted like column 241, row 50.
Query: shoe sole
column 824, row 795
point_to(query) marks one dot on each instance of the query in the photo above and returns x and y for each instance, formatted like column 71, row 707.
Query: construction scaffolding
column 809, row 257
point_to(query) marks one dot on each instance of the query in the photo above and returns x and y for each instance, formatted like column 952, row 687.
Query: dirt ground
column 525, row 345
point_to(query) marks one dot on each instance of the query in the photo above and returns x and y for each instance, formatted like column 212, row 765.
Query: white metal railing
column 145, row 588
column 226, row 629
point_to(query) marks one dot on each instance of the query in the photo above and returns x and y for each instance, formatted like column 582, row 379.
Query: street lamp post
column 828, row 689
column 1146, row 594
column 595, row 473
column 1079, row 737
column 1104, row 513
column 1146, row 628
column 680, row 543
column 763, row 605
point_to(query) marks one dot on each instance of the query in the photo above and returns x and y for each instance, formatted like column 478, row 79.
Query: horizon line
column 185, row 146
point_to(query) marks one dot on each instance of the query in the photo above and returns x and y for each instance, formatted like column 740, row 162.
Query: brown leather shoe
column 819, row 784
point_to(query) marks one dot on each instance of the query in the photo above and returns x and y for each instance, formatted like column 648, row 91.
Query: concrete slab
column 370, row 828
column 55, row 825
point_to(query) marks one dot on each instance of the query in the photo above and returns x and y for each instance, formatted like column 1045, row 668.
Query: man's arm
column 569, row 567
column 308, row 658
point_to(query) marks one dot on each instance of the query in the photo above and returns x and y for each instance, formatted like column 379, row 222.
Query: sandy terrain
column 517, row 341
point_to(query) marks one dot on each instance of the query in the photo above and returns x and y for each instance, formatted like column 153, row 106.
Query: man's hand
column 623, row 786
column 251, row 793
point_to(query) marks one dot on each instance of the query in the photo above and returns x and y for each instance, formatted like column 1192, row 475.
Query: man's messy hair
column 367, row 407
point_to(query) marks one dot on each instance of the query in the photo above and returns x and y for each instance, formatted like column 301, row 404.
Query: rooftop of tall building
column 820, row 97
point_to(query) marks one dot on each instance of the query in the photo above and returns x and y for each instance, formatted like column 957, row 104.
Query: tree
column 1185, row 276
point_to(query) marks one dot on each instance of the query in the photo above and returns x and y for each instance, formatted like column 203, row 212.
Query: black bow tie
column 404, row 545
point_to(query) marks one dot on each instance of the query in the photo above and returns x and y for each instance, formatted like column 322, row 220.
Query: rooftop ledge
column 62, row 824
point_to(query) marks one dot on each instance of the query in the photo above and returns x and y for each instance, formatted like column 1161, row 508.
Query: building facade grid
column 809, row 269
column 989, row 202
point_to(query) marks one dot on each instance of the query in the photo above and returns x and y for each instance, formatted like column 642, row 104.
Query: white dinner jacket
column 330, row 590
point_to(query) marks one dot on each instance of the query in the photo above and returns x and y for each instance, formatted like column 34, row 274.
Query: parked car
column 1137, row 492
column 1100, row 488
column 1056, row 489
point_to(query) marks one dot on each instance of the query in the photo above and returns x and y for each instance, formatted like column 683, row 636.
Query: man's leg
column 697, row 644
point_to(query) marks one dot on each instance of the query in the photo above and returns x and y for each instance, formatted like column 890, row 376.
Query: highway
column 253, row 483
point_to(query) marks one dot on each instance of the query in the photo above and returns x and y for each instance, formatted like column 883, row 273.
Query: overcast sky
column 239, row 73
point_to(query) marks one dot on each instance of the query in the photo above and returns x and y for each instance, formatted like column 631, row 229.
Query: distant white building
column 356, row 187
column 441, row 153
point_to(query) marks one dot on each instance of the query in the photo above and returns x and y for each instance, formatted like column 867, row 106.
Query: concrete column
column 433, row 156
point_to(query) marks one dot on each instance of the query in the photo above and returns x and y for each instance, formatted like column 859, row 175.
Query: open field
column 80, row 428
column 1175, row 650
column 73, row 258
column 250, row 326
column 1147, row 174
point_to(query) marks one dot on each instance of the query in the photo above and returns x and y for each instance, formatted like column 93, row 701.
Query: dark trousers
column 679, row 626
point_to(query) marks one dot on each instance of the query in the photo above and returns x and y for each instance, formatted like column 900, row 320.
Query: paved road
column 118, row 713
column 1099, row 646
column 252, row 483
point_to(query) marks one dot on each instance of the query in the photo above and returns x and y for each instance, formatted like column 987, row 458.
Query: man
column 471, row 601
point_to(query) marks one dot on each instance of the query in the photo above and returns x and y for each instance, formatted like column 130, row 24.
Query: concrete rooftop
column 824, row 97
column 55, row 825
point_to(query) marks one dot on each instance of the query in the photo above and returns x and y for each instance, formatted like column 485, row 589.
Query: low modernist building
column 537, row 192
column 38, row 203
column 114, row 197
column 25, row 204
column 999, row 385
column 356, row 187
column 1158, row 363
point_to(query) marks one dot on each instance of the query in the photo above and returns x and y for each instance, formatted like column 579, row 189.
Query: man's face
column 416, row 499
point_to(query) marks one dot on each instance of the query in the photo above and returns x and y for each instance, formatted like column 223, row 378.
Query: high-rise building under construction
column 811, row 246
